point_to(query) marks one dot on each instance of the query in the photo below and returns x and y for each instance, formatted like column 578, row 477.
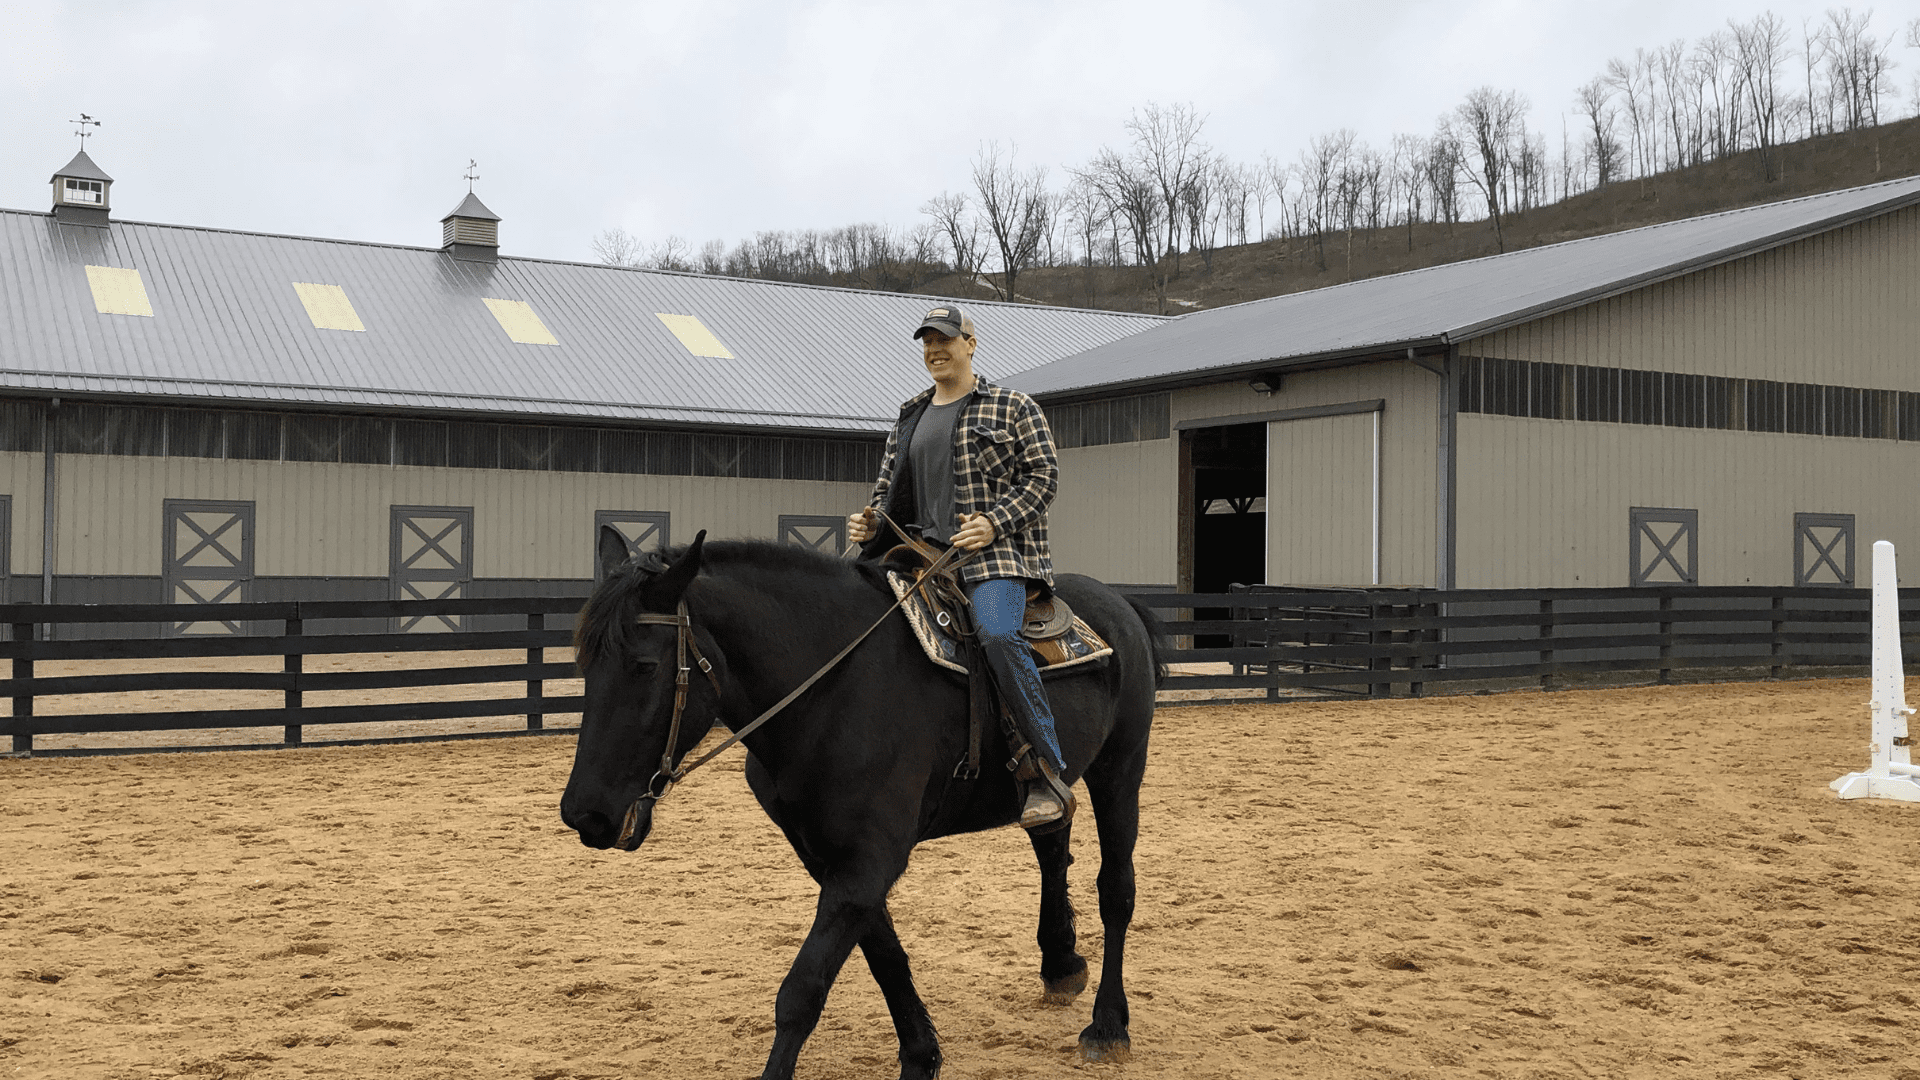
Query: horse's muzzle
column 636, row 826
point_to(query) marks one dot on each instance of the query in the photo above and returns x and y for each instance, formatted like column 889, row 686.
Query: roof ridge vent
column 471, row 231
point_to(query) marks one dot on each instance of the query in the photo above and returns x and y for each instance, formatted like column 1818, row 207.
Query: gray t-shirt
column 930, row 456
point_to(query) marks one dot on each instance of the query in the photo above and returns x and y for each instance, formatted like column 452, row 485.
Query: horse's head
column 630, row 670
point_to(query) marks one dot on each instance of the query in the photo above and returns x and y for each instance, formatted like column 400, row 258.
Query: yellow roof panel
column 118, row 291
column 695, row 336
column 516, row 317
column 328, row 307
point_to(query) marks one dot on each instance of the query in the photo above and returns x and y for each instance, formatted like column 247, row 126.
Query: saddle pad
column 1079, row 645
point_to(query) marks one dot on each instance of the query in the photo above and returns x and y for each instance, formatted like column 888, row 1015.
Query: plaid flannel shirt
column 1004, row 466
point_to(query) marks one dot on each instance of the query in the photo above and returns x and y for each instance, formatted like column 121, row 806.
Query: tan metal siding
column 20, row 476
column 1842, row 308
column 332, row 520
column 1543, row 503
column 1320, row 477
column 1114, row 516
column 1408, row 435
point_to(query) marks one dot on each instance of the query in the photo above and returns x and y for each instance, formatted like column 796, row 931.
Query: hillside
column 1276, row 267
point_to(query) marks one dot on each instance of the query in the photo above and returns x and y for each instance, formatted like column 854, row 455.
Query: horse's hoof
column 1063, row 991
column 1118, row 1051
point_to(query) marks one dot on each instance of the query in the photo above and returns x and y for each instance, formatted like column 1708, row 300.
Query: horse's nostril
column 595, row 829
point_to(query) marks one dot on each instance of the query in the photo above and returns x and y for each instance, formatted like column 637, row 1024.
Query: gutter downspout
column 47, row 428
column 1446, row 502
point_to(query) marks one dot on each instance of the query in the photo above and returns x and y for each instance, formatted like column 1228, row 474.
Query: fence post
column 536, row 686
column 1546, row 650
column 1416, row 661
column 1666, row 638
column 1377, row 637
column 295, row 664
column 22, row 702
column 1777, row 648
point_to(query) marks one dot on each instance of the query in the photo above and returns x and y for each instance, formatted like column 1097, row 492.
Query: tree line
column 1164, row 195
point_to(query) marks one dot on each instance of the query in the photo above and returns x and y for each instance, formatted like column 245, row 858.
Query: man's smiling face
column 944, row 355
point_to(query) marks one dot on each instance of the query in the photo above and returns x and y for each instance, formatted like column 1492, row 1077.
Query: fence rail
column 42, row 633
column 1274, row 641
column 1330, row 642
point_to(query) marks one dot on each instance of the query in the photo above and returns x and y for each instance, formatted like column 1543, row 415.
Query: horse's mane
column 606, row 622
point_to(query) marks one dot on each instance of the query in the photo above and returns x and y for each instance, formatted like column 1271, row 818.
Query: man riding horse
column 972, row 465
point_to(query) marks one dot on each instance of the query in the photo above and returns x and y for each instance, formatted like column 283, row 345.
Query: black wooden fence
column 1296, row 642
column 291, row 631
column 1281, row 643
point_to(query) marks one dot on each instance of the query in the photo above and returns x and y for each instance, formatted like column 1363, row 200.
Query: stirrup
column 1049, row 803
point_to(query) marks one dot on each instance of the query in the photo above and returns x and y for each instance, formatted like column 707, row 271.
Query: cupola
column 472, row 231
column 80, row 192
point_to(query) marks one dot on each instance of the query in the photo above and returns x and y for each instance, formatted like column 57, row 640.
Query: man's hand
column 860, row 526
column 976, row 532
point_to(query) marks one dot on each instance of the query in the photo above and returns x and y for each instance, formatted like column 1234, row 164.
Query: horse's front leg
column 1062, row 968
column 919, row 1043
column 847, row 913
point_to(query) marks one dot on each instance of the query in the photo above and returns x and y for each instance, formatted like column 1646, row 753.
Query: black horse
column 860, row 768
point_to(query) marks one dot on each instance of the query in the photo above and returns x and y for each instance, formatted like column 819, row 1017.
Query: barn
column 196, row 415
column 1730, row 399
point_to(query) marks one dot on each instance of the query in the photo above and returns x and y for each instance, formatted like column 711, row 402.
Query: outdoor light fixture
column 1267, row 382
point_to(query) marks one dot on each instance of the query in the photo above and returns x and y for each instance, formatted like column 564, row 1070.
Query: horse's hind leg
column 1115, row 788
column 1062, row 967
column 919, row 1043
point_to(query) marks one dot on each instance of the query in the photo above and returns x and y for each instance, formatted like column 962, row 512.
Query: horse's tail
column 1156, row 639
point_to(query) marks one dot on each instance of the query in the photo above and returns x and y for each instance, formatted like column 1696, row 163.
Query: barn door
column 822, row 533
column 430, row 557
column 1321, row 491
column 643, row 530
column 207, row 552
column 1664, row 548
column 1823, row 549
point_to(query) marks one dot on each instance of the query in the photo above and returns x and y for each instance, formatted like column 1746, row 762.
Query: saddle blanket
column 1080, row 644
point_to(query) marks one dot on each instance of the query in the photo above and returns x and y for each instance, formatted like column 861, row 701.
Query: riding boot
column 998, row 606
column 1049, row 802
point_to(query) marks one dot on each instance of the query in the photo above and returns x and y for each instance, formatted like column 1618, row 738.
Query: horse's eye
column 645, row 667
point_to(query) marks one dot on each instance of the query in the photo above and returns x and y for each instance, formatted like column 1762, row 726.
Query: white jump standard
column 1892, row 774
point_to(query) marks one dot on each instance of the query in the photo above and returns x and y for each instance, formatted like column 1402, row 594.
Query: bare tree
column 1602, row 146
column 1760, row 48
column 1133, row 199
column 1492, row 124
column 1408, row 173
column 1320, row 169
column 1204, row 200
column 713, row 257
column 618, row 247
column 1017, row 209
column 1166, row 142
column 960, row 229
column 1445, row 160
column 1278, row 179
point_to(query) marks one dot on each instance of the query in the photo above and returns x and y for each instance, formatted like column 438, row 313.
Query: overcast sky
column 356, row 120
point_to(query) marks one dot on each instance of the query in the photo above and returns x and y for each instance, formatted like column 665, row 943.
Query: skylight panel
column 516, row 317
column 328, row 307
column 118, row 291
column 695, row 336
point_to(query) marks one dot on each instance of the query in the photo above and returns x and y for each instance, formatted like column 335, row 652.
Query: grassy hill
column 1277, row 267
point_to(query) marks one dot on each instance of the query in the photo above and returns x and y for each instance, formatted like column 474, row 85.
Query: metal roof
column 228, row 325
column 83, row 168
column 1447, row 304
column 472, row 207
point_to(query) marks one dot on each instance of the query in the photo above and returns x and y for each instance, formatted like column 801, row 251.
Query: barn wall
column 331, row 520
column 1114, row 517
column 1408, row 471
column 20, row 478
column 1544, row 503
column 1842, row 309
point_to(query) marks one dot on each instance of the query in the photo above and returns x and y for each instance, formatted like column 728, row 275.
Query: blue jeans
column 999, row 606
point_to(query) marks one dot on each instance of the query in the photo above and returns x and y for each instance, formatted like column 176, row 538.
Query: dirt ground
column 1625, row 883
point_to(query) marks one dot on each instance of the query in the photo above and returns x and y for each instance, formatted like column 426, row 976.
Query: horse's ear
column 610, row 551
column 670, row 586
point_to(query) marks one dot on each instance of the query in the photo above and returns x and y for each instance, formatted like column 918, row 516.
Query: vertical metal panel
column 1320, row 500
column 1842, row 309
column 1115, row 516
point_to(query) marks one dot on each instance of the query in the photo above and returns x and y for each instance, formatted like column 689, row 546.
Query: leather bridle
column 668, row 774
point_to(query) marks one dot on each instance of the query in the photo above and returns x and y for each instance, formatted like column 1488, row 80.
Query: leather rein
column 668, row 774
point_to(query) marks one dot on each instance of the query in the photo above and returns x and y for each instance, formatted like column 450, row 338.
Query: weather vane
column 80, row 128
column 472, row 173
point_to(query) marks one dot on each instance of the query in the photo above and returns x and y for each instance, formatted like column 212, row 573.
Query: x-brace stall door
column 1823, row 549
column 1664, row 546
column 207, row 548
column 643, row 530
column 828, row 534
column 431, row 558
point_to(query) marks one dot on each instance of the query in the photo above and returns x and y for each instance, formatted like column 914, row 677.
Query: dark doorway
column 1228, row 509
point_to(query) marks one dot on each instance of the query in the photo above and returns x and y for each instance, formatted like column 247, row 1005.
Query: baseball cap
column 947, row 319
